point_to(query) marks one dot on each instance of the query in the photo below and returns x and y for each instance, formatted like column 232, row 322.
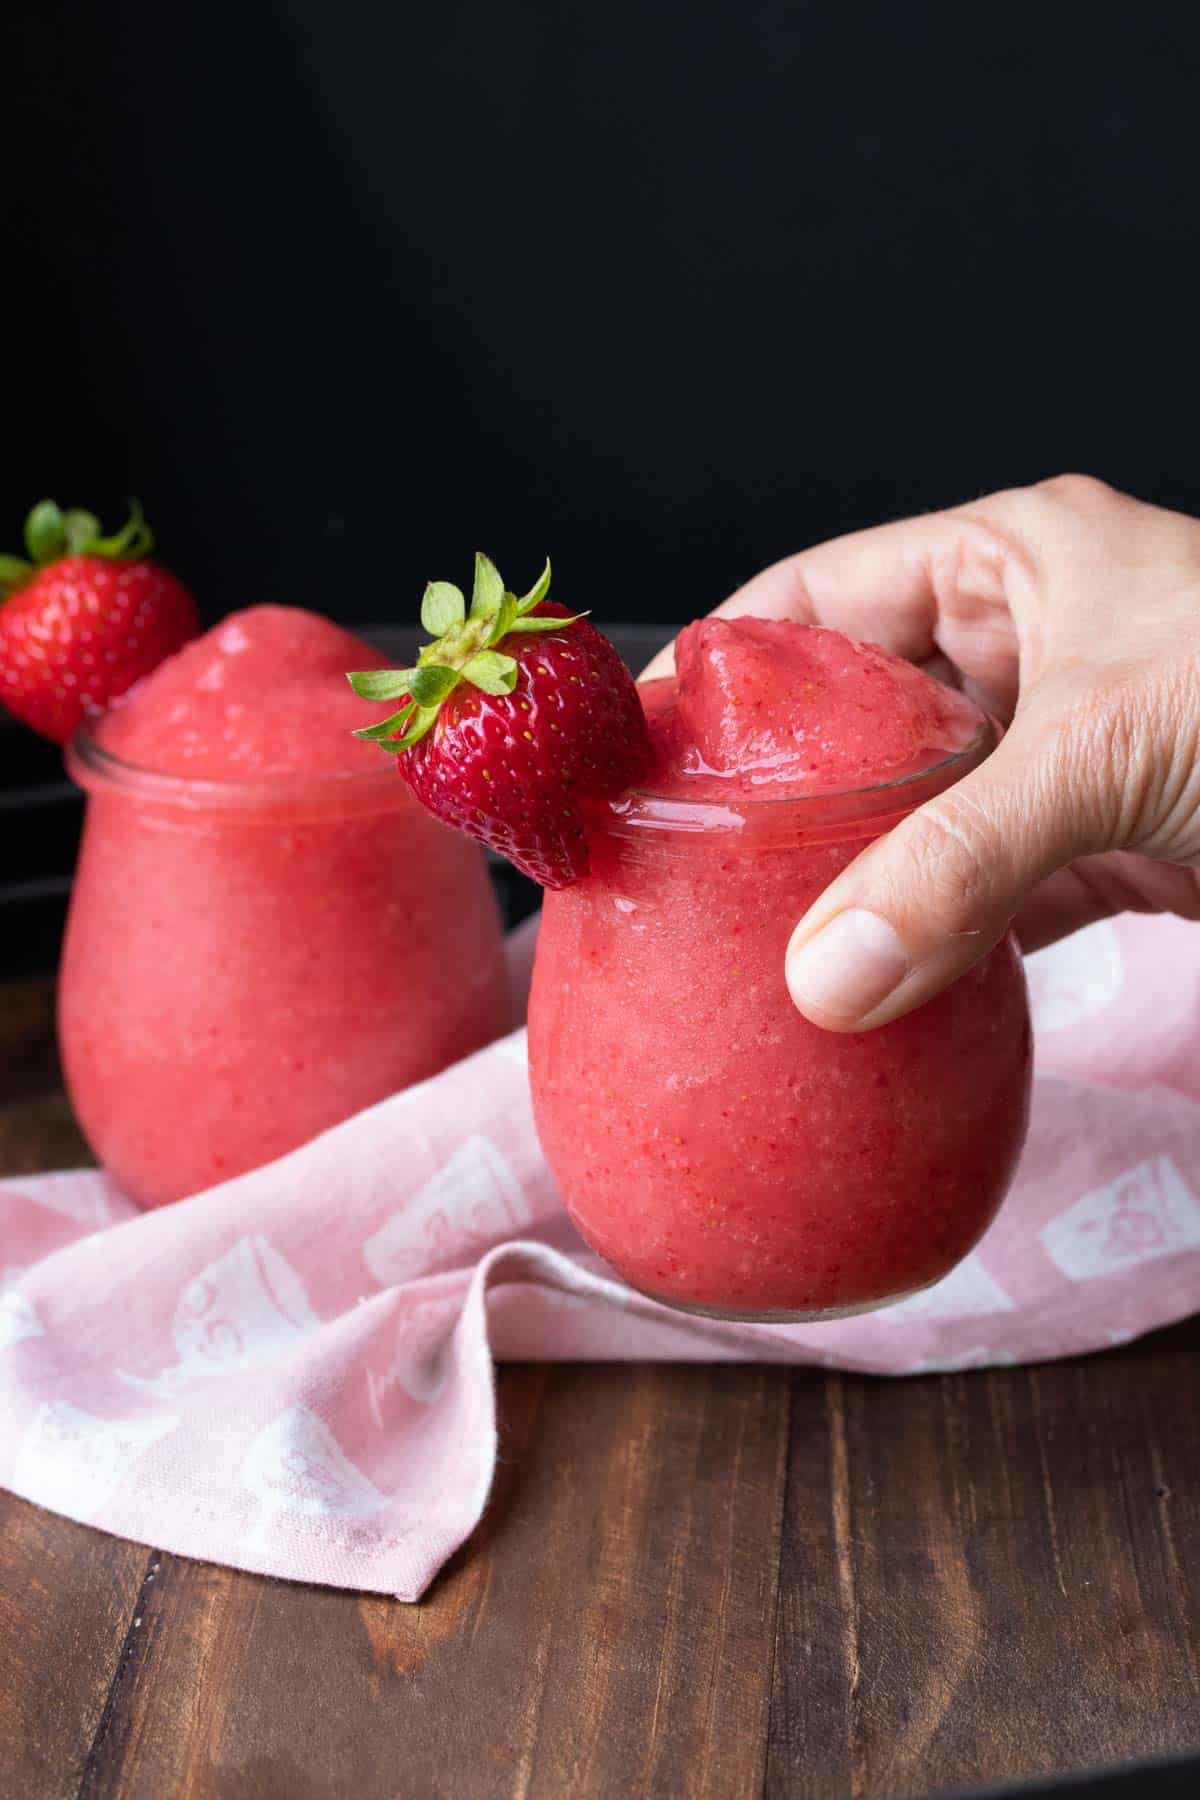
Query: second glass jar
column 723, row 1154
column 250, row 962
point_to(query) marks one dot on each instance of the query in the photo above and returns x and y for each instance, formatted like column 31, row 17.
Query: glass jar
column 249, row 962
column 723, row 1154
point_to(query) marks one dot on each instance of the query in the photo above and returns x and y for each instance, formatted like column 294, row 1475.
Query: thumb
column 921, row 905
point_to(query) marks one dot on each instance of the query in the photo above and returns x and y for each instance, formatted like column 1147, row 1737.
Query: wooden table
column 691, row 1582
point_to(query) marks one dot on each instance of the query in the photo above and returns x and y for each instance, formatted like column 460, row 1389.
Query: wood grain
column 28, row 1058
column 715, row 1582
column 610, row 1631
column 1016, row 1562
column 37, row 1129
column 68, row 1597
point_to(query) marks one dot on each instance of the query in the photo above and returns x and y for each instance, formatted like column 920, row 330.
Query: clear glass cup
column 724, row 1155
column 249, row 962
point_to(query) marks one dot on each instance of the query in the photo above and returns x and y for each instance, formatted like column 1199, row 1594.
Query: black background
column 665, row 287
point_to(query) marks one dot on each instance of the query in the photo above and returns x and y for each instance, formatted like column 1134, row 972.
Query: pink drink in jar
column 267, row 933
column 722, row 1153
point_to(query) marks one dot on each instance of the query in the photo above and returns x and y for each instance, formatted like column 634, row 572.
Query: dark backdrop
column 666, row 287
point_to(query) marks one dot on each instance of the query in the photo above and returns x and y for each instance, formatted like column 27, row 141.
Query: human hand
column 1072, row 611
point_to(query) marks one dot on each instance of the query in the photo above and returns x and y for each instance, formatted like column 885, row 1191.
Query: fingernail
column 849, row 968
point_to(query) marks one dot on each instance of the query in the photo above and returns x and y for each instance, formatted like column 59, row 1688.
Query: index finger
column 916, row 587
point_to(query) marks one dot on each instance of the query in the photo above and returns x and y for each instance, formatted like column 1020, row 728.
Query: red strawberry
column 84, row 618
column 514, row 714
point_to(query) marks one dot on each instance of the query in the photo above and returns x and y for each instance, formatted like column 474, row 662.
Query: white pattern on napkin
column 1076, row 979
column 1148, row 1212
column 296, row 1466
column 239, row 1313
column 18, row 1315
column 74, row 1461
column 475, row 1201
column 968, row 1291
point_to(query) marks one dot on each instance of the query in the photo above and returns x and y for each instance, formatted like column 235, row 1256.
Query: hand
column 1073, row 612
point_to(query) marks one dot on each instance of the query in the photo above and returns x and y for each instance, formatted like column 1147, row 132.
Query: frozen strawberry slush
column 262, row 694
column 717, row 1149
column 267, row 933
column 767, row 708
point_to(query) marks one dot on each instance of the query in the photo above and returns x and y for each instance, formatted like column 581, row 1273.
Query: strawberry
column 84, row 618
column 513, row 716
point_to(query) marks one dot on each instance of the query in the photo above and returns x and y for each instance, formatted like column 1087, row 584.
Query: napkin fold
column 292, row 1372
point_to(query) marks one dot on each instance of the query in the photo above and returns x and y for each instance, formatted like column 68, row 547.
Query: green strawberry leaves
column 80, row 529
column 431, row 682
column 546, row 623
column 134, row 540
column 420, row 722
column 50, row 534
column 45, row 533
column 505, row 619
column 488, row 590
column 14, row 573
column 381, row 684
column 493, row 673
column 537, row 592
column 442, row 608
column 464, row 649
column 386, row 728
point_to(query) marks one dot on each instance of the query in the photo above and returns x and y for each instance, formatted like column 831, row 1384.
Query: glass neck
column 268, row 799
column 795, row 821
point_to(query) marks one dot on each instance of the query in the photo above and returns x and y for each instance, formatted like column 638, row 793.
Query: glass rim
column 350, row 792
column 367, row 789
column 642, row 809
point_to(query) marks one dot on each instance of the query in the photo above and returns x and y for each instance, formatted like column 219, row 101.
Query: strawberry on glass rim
column 517, row 713
column 84, row 616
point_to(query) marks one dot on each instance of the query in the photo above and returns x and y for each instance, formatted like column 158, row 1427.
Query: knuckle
column 1082, row 492
column 1025, row 519
column 970, row 563
column 975, row 567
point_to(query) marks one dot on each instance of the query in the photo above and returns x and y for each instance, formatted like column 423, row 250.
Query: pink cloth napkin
column 293, row 1372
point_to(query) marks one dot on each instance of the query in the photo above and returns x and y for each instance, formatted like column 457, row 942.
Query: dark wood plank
column 608, row 1632
column 68, row 1597
column 990, row 1575
column 28, row 1059
column 39, row 1133
column 37, row 1129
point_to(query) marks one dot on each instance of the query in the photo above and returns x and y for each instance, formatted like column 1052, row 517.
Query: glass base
column 779, row 1315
